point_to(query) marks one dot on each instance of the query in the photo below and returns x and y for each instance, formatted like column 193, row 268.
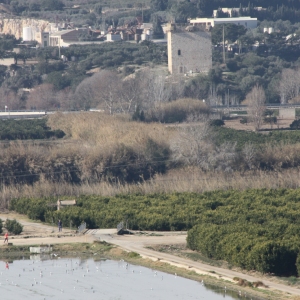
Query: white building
column 234, row 10
column 227, row 10
column 66, row 37
column 248, row 22
column 110, row 37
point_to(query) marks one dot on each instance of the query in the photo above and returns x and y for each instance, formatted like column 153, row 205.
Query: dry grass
column 177, row 111
column 93, row 145
column 105, row 130
column 186, row 180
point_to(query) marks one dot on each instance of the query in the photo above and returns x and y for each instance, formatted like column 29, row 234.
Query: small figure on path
column 6, row 266
column 59, row 225
column 5, row 238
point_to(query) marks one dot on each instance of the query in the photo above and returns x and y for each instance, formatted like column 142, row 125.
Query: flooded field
column 105, row 279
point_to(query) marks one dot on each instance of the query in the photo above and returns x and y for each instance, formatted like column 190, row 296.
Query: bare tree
column 221, row 158
column 195, row 146
column 176, row 84
column 42, row 97
column 84, row 96
column 192, row 145
column 289, row 86
column 154, row 89
column 65, row 99
column 249, row 155
column 130, row 95
column 102, row 90
column 108, row 88
column 256, row 100
column 9, row 99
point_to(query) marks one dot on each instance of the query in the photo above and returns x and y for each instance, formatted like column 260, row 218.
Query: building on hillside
column 66, row 37
column 247, row 22
column 233, row 11
column 189, row 50
column 43, row 38
column 111, row 37
column 230, row 11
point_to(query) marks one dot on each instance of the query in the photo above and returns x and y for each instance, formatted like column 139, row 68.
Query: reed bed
column 88, row 160
column 184, row 180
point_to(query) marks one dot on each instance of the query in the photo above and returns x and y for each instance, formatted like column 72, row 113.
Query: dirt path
column 138, row 244
column 38, row 233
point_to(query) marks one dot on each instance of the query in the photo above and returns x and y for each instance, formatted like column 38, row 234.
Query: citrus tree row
column 252, row 229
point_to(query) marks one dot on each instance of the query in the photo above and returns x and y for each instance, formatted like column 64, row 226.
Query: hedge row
column 253, row 229
column 241, row 137
column 27, row 129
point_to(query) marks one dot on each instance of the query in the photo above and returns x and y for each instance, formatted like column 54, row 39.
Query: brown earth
column 235, row 124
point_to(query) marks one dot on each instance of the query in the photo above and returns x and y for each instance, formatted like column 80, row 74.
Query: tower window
column 179, row 52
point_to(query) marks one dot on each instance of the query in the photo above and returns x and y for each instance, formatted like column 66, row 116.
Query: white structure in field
column 247, row 22
column 27, row 34
column 189, row 50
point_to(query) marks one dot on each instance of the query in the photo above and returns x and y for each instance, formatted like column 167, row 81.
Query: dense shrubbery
column 242, row 137
column 253, row 229
column 217, row 123
column 27, row 129
column 295, row 124
column 13, row 226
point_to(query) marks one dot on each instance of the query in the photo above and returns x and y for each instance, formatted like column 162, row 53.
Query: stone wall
column 189, row 51
column 287, row 113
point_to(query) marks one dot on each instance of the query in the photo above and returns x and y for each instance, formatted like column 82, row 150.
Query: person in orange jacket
column 6, row 238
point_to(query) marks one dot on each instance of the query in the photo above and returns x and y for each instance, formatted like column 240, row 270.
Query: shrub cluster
column 253, row 229
column 176, row 111
column 13, row 226
column 27, row 129
column 295, row 124
column 242, row 137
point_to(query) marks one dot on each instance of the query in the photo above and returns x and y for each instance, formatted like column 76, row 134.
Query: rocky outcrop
column 15, row 26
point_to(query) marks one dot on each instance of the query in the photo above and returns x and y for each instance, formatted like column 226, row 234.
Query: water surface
column 105, row 280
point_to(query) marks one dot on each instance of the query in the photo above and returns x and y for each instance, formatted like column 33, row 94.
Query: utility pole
column 223, row 44
column 228, row 99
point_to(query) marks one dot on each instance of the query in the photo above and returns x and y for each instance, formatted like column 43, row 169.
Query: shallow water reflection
column 106, row 280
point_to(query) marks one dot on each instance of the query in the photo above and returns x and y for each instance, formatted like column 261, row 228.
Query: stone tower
column 189, row 50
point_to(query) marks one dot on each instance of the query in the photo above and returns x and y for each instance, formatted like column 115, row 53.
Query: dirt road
column 38, row 233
